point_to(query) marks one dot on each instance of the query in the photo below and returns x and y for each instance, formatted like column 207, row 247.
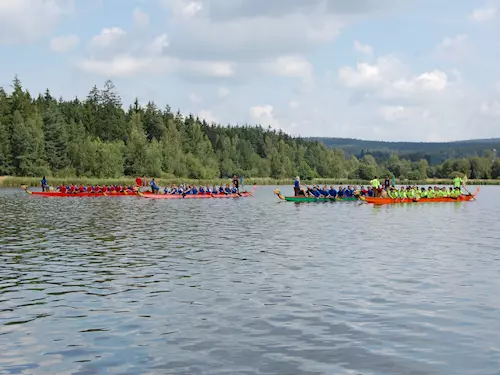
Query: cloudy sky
column 417, row 70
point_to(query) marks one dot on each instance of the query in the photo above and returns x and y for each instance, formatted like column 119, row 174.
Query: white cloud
column 115, row 53
column 390, row 78
column 159, row 44
column 140, row 18
column 401, row 113
column 291, row 66
column 221, row 69
column 28, row 20
column 491, row 109
column 454, row 47
column 208, row 116
column 107, row 38
column 184, row 8
column 497, row 86
column 117, row 66
column 484, row 14
column 223, row 92
column 297, row 33
column 293, row 104
column 195, row 98
column 363, row 48
column 264, row 115
column 64, row 43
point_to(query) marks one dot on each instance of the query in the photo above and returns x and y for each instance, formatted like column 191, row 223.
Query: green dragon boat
column 300, row 199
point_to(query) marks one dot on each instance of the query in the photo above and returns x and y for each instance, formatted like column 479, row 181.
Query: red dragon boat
column 382, row 201
column 78, row 194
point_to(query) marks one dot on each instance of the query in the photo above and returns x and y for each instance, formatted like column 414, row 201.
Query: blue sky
column 415, row 70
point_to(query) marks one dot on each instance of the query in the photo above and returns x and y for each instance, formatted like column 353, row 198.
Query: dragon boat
column 78, row 194
column 242, row 194
column 383, row 201
column 301, row 198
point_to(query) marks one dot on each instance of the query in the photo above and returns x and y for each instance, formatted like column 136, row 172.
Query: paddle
column 464, row 182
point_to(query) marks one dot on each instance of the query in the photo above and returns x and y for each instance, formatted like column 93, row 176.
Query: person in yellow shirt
column 457, row 182
column 376, row 186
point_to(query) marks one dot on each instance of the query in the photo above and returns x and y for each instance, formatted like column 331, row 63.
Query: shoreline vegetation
column 16, row 181
column 95, row 140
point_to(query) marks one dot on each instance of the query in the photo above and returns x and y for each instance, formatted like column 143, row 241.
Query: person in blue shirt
column 371, row 193
column 45, row 186
column 154, row 188
column 202, row 190
column 332, row 192
column 227, row 190
column 315, row 192
column 296, row 186
column 234, row 190
column 348, row 192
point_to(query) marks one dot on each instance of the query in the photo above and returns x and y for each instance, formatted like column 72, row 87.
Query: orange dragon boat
column 382, row 201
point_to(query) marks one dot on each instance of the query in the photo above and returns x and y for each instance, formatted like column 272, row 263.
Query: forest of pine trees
column 96, row 137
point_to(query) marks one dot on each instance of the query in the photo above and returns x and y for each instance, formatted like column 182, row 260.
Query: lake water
column 249, row 286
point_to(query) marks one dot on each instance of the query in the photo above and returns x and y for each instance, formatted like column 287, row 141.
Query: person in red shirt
column 104, row 189
column 62, row 189
column 72, row 189
column 81, row 189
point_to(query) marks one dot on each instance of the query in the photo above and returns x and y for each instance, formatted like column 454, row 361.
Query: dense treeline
column 433, row 152
column 95, row 137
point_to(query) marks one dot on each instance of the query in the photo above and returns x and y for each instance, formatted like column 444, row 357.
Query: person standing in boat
column 457, row 182
column 376, row 186
column 387, row 182
column 296, row 186
column 45, row 186
column 154, row 188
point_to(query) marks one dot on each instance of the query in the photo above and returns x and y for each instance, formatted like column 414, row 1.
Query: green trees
column 95, row 137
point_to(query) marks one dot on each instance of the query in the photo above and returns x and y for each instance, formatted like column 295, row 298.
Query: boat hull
column 383, row 201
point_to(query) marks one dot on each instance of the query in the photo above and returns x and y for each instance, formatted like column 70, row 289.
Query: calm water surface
column 250, row 286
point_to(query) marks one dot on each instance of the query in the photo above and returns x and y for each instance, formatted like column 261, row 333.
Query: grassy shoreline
column 10, row 182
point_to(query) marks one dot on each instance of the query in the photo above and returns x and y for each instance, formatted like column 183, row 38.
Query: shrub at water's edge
column 13, row 182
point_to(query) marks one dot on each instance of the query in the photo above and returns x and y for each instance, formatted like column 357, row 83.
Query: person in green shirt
column 402, row 193
column 430, row 192
column 457, row 192
column 375, row 185
column 457, row 182
column 393, row 193
column 423, row 193
column 410, row 193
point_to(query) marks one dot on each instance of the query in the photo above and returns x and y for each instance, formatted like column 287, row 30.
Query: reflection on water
column 248, row 286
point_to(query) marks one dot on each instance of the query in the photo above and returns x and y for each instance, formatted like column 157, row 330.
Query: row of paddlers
column 376, row 201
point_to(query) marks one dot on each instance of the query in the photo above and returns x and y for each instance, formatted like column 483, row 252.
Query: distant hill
column 434, row 152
